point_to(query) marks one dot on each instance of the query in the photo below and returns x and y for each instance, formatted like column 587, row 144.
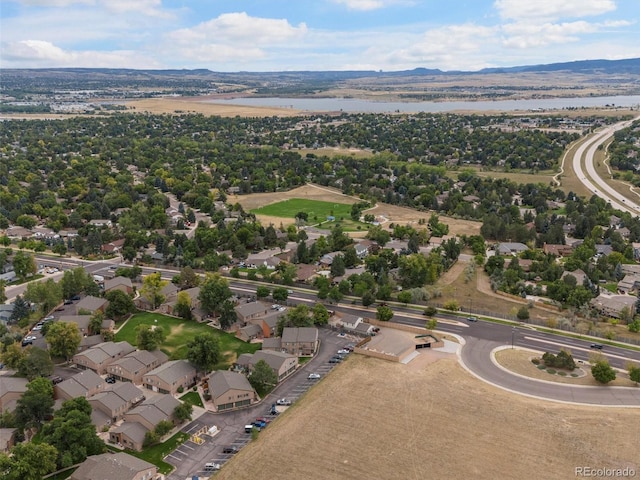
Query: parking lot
column 193, row 459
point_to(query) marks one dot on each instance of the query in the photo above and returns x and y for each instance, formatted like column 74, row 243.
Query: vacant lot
column 380, row 420
column 179, row 332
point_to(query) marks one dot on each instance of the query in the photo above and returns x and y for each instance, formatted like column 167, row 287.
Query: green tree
column 29, row 461
column 183, row 412
column 214, row 291
column 120, row 304
column 335, row 295
column 24, row 264
column 320, row 314
column 228, row 315
column 72, row 433
column 183, row 306
column 63, row 339
column 384, row 313
column 405, row 296
column 634, row 373
column 95, row 322
column 262, row 291
column 47, row 294
column 280, row 294
column 431, row 324
column 152, row 286
column 262, row 377
column 163, row 427
column 413, row 270
column 36, row 404
column 36, row 363
column 337, row 266
column 188, row 278
column 20, row 310
column 603, row 372
column 149, row 337
column 298, row 316
column 13, row 355
column 203, row 351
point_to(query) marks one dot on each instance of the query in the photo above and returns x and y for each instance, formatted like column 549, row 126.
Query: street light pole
column 513, row 333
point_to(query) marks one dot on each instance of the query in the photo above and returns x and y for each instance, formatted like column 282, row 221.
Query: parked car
column 313, row 376
column 48, row 317
column 68, row 302
column 335, row 360
column 472, row 319
column 75, row 298
column 260, row 424
column 599, row 346
column 55, row 379
column 283, row 401
column 28, row 340
column 110, row 379
column 211, row 466
column 230, row 449
column 343, row 351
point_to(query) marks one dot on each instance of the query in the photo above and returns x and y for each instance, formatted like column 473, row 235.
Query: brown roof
column 111, row 466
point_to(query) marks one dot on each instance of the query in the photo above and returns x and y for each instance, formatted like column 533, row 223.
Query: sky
column 320, row 35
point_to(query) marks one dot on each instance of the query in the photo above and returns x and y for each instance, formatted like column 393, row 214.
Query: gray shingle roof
column 173, row 371
column 299, row 334
column 222, row 381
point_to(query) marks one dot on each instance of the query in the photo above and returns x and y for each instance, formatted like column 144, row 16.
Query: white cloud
column 240, row 28
column 55, row 3
column 40, row 54
column 552, row 9
column 151, row 8
column 366, row 5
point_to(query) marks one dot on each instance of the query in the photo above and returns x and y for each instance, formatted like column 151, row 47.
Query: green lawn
column 318, row 211
column 193, row 398
column 179, row 332
column 157, row 453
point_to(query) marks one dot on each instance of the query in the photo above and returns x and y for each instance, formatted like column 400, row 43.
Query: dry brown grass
column 372, row 419
column 191, row 105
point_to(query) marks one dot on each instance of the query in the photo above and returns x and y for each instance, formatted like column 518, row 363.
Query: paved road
column 591, row 179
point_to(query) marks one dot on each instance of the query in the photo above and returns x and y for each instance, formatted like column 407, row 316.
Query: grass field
column 193, row 398
column 179, row 332
column 317, row 210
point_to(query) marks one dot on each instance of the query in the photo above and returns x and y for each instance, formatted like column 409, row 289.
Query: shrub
column 535, row 361
column 562, row 374
column 523, row 313
column 574, row 375
column 551, row 371
column 541, row 367
column 451, row 305
column 180, row 389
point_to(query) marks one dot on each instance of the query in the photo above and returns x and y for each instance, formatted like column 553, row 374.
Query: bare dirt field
column 191, row 105
column 372, row 419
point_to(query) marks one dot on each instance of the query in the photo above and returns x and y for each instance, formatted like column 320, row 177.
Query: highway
column 591, row 179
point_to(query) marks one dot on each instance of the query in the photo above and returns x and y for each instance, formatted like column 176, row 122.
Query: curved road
column 591, row 179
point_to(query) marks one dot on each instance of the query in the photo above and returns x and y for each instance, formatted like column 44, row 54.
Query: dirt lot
column 380, row 420
column 393, row 213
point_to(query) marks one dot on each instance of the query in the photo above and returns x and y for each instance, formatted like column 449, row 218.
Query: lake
column 353, row 105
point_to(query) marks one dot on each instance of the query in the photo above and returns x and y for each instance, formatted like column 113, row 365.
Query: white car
column 283, row 401
column 313, row 376
column 343, row 351
column 211, row 466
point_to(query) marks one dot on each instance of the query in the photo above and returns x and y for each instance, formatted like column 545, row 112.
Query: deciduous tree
column 149, row 337
column 63, row 339
column 262, row 377
column 603, row 372
column 203, row 351
column 36, row 404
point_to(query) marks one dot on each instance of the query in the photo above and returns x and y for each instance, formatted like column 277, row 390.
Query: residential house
column 327, row 259
column 101, row 222
column 170, row 376
column 111, row 466
column 558, row 250
column 350, row 322
column 82, row 321
column 268, row 323
column 11, row 390
column 230, row 390
column 251, row 310
column 113, row 247
column 99, row 357
column 282, row 363
column 273, row 343
column 168, row 307
column 119, row 283
column 265, row 258
column 89, row 342
column 511, row 248
column 116, row 401
column 129, row 435
column 134, row 365
column 7, row 439
column 629, row 284
column 153, row 410
column 92, row 305
column 305, row 272
column 169, row 292
column 249, row 332
column 300, row 341
column 84, row 384
column 603, row 250
column 614, row 305
column 362, row 250
column 5, row 312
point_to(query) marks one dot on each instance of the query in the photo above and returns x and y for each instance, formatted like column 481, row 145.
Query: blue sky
column 281, row 35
